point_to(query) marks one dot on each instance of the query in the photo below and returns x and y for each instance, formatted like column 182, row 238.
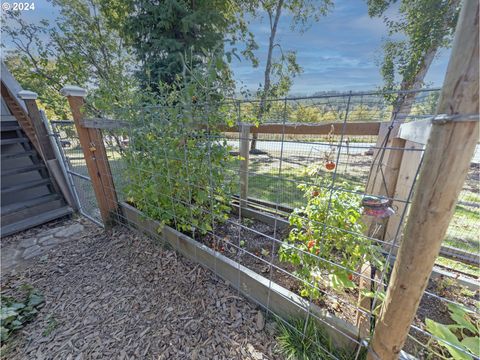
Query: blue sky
column 341, row 52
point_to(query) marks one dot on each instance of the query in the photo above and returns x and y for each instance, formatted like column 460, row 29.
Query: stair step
column 8, row 127
column 19, row 154
column 17, row 140
column 28, row 212
column 36, row 220
column 21, row 205
column 8, row 119
column 25, row 185
column 22, row 169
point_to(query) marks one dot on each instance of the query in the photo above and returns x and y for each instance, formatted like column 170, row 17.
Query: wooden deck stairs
column 28, row 195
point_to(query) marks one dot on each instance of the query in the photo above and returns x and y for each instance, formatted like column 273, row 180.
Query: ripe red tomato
column 311, row 244
column 350, row 277
column 315, row 193
column 330, row 165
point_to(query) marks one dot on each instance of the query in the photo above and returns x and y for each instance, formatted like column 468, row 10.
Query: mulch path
column 121, row 295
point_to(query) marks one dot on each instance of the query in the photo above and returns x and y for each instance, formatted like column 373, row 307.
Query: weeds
column 311, row 342
column 52, row 324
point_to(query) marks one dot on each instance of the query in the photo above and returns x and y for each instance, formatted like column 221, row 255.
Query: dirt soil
column 120, row 295
column 259, row 252
column 255, row 252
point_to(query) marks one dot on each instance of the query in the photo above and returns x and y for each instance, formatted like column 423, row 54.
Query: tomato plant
column 326, row 240
column 177, row 162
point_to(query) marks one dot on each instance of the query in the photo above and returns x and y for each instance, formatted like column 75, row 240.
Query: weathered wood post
column 41, row 133
column 45, row 146
column 95, row 154
column 244, row 154
column 383, row 183
column 446, row 161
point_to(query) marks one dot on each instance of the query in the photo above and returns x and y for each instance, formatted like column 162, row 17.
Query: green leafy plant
column 326, row 238
column 14, row 313
column 458, row 340
column 176, row 162
column 52, row 324
column 299, row 341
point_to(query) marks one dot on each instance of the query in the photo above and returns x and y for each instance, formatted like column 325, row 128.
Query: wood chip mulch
column 120, row 295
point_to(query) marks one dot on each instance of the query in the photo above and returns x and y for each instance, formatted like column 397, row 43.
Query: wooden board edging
column 281, row 224
column 279, row 300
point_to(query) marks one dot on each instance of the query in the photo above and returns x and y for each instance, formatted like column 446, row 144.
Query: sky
column 341, row 52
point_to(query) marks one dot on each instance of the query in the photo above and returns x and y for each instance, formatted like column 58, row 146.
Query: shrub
column 326, row 232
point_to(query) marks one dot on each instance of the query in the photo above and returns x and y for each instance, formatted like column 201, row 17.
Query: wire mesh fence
column 73, row 158
column 303, row 232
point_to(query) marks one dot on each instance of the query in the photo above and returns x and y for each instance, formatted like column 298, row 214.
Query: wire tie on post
column 444, row 118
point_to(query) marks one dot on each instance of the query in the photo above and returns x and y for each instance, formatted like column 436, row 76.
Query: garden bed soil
column 256, row 255
column 119, row 295
column 253, row 250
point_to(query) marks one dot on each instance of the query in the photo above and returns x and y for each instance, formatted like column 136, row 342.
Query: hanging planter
column 377, row 206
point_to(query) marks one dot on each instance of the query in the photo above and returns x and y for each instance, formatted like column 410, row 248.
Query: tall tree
column 425, row 26
column 79, row 47
column 167, row 34
column 283, row 67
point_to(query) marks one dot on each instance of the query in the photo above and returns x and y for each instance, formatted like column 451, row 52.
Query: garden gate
column 74, row 165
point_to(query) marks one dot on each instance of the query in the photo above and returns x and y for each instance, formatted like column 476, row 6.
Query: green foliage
column 311, row 342
column 79, row 47
column 329, row 227
column 15, row 313
column 463, row 334
column 424, row 27
column 52, row 324
column 166, row 34
column 176, row 161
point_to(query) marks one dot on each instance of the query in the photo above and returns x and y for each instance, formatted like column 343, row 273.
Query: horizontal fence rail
column 165, row 179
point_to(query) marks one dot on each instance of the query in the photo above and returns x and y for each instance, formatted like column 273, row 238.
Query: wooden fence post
column 381, row 182
column 406, row 178
column 45, row 146
column 95, row 154
column 46, row 149
column 244, row 154
column 446, row 161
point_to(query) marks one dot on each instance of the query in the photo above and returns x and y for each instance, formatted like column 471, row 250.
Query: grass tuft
column 311, row 342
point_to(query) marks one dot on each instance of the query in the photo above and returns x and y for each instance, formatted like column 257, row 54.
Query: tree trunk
column 404, row 105
column 268, row 69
